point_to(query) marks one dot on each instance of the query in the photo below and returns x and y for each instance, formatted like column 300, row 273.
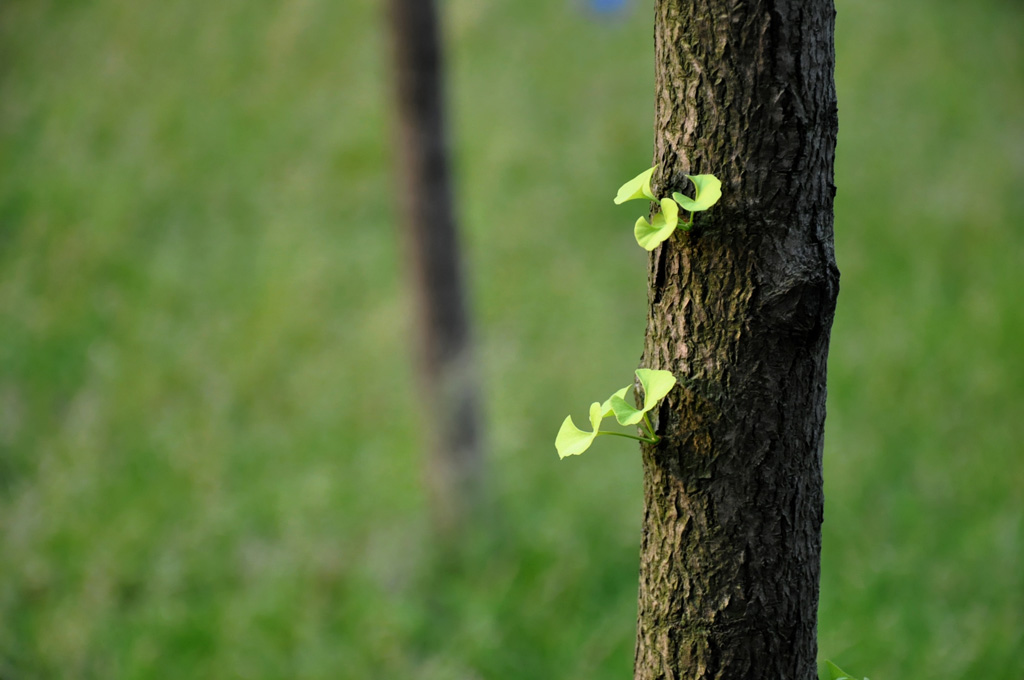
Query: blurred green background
column 208, row 448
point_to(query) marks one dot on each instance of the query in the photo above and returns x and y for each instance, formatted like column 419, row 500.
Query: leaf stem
column 650, row 428
column 655, row 440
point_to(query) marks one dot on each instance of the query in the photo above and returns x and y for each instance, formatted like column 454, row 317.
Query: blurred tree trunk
column 740, row 309
column 448, row 388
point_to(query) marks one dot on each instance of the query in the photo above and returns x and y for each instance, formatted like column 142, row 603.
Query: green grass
column 208, row 451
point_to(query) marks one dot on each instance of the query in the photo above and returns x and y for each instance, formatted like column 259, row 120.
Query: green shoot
column 836, row 673
column 649, row 235
column 572, row 441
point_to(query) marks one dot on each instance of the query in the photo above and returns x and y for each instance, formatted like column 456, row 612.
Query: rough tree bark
column 740, row 309
column 447, row 379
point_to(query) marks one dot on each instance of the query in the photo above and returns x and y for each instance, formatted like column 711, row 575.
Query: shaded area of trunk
column 447, row 377
column 740, row 310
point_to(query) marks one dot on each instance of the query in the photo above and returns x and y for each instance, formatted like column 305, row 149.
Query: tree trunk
column 740, row 309
column 448, row 391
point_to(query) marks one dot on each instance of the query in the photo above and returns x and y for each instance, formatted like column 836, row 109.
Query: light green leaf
column 656, row 384
column 571, row 440
column 606, row 407
column 661, row 226
column 626, row 413
column 638, row 187
column 708, row 189
column 835, row 673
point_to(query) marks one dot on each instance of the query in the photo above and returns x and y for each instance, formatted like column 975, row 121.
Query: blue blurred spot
column 607, row 6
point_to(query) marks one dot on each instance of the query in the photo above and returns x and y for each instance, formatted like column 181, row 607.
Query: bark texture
column 447, row 375
column 740, row 309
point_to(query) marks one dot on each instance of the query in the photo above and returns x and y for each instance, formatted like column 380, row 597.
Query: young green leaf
column 636, row 188
column 661, row 226
column 571, row 440
column 708, row 189
column 656, row 384
column 835, row 673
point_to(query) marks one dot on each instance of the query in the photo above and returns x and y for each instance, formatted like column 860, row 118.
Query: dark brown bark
column 741, row 309
column 447, row 380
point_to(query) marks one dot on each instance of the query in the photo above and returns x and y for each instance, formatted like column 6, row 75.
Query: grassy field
column 208, row 447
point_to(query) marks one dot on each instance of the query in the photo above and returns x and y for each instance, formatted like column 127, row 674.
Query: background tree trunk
column 740, row 310
column 448, row 388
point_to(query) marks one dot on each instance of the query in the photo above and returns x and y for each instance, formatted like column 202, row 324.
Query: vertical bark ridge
column 740, row 309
